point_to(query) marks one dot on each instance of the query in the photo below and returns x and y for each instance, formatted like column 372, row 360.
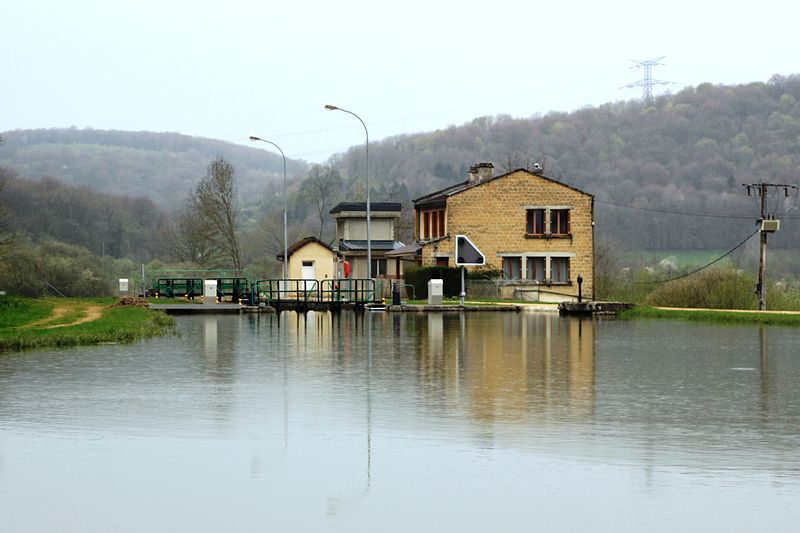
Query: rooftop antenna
column 647, row 82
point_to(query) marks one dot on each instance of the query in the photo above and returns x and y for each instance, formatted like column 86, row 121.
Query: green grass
column 24, row 324
column 728, row 317
column 15, row 311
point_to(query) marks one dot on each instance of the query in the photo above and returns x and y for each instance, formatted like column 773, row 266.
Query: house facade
column 351, row 238
column 310, row 258
column 538, row 231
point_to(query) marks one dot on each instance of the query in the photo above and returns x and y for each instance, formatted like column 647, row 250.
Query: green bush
column 32, row 268
column 718, row 288
column 419, row 277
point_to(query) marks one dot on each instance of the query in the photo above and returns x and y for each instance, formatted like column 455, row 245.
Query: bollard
column 580, row 288
column 395, row 294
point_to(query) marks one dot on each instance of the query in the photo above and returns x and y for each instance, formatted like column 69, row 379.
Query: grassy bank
column 37, row 323
column 712, row 315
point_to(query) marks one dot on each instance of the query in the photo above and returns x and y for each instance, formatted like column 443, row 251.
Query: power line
column 647, row 82
column 668, row 212
column 767, row 224
column 720, row 258
column 683, row 213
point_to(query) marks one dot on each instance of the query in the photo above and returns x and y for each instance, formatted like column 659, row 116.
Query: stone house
column 537, row 230
column 351, row 238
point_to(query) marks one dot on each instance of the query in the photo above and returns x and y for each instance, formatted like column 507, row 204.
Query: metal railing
column 349, row 290
column 272, row 291
column 413, row 289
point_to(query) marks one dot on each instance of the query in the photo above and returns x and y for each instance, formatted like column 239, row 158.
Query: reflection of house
column 526, row 367
column 539, row 231
column 351, row 237
column 310, row 258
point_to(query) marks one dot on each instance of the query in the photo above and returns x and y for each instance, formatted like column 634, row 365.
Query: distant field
column 782, row 263
column 683, row 258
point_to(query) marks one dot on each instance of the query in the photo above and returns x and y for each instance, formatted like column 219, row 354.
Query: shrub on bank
column 718, row 288
column 451, row 276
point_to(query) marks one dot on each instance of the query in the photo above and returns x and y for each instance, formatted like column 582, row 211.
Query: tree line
column 123, row 195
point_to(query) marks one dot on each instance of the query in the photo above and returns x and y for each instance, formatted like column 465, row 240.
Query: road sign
column 467, row 254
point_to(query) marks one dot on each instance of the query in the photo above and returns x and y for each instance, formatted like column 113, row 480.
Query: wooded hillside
column 689, row 152
column 164, row 167
column 648, row 165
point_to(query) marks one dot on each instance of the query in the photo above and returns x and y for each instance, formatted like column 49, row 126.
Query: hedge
column 419, row 277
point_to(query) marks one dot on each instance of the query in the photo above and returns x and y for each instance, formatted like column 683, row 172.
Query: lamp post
column 285, row 240
column 330, row 107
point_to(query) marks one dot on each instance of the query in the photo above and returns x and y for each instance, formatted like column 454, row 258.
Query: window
column 378, row 267
column 512, row 267
column 559, row 221
column 432, row 224
column 535, row 269
column 559, row 269
column 441, row 261
column 546, row 221
column 534, row 224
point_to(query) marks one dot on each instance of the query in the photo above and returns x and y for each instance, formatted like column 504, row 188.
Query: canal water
column 406, row 422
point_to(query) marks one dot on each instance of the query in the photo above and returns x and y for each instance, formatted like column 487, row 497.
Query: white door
column 308, row 272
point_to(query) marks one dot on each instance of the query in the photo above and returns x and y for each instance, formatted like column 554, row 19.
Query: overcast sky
column 228, row 69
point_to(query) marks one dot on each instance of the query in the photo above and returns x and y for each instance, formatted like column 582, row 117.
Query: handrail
column 200, row 272
column 354, row 290
column 413, row 289
column 53, row 287
column 351, row 290
column 277, row 290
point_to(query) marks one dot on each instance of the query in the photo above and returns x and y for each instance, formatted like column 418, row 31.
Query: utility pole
column 767, row 224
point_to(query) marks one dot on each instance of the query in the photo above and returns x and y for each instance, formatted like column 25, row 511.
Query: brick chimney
column 480, row 172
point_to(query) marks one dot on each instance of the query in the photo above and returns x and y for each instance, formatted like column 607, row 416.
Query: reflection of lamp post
column 285, row 242
column 330, row 107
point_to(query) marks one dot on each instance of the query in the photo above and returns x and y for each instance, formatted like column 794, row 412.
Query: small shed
column 310, row 258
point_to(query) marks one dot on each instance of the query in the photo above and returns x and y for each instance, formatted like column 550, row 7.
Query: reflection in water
column 763, row 370
column 534, row 366
column 210, row 339
column 379, row 421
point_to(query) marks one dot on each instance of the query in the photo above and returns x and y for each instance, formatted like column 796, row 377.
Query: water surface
column 388, row 422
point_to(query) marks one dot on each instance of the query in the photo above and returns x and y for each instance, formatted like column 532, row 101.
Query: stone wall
column 493, row 215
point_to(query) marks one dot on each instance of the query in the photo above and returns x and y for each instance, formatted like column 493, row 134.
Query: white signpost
column 467, row 254
column 123, row 287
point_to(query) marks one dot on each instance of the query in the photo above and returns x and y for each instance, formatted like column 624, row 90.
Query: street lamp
column 330, row 107
column 285, row 241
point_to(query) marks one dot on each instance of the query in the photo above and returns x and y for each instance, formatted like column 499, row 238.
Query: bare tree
column 186, row 239
column 321, row 188
column 6, row 238
column 214, row 208
column 270, row 237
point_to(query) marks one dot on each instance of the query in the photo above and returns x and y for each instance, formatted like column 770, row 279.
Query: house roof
column 302, row 242
column 408, row 249
column 362, row 206
column 361, row 245
column 439, row 198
